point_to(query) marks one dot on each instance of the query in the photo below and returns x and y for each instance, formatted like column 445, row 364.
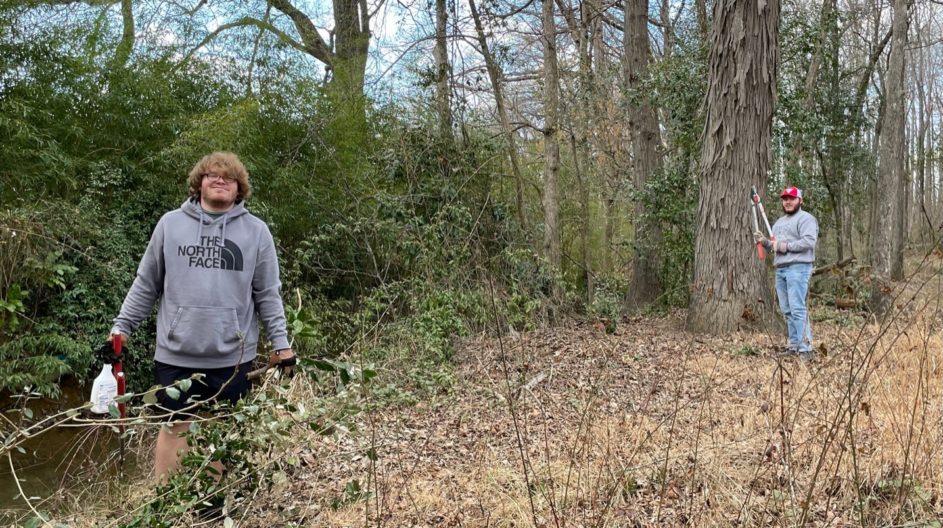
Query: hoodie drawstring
column 222, row 239
column 199, row 233
column 194, row 208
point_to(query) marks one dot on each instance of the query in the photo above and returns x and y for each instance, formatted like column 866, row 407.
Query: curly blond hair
column 229, row 164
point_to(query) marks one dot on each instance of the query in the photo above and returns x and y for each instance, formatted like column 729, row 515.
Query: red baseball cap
column 795, row 192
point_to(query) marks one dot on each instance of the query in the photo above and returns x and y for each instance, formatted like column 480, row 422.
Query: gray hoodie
column 216, row 278
column 796, row 235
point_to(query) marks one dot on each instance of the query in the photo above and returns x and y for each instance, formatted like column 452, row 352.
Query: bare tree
column 496, row 75
column 551, row 183
column 126, row 44
column 646, row 154
column 585, row 28
column 886, row 238
column 443, row 90
column 923, row 83
column 344, row 56
column 730, row 290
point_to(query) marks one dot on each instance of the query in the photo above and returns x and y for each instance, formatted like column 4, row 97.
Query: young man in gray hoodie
column 214, row 269
column 793, row 247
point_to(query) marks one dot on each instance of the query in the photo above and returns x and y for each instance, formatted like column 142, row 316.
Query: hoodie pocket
column 204, row 330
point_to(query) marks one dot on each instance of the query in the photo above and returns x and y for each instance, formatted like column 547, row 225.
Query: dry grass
column 656, row 427
column 651, row 426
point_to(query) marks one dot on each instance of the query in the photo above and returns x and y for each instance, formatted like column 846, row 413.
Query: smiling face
column 216, row 178
column 791, row 204
column 218, row 190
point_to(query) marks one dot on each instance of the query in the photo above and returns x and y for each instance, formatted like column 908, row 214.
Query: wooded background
column 417, row 160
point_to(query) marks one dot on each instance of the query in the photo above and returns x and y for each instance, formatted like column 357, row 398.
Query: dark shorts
column 219, row 384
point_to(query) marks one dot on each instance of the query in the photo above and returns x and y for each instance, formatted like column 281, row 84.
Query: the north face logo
column 211, row 254
column 231, row 256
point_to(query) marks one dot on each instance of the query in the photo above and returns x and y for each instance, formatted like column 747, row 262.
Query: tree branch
column 314, row 45
column 98, row 3
column 255, row 48
column 376, row 10
column 243, row 22
column 869, row 70
column 191, row 12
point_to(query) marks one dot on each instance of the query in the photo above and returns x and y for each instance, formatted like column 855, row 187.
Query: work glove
column 285, row 360
column 106, row 353
column 774, row 245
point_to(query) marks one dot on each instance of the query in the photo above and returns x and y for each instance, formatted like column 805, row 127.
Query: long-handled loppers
column 118, row 370
column 757, row 205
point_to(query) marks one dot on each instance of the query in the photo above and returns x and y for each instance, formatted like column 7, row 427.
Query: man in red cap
column 793, row 247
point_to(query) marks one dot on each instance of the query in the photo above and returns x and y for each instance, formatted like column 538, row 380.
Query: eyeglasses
column 213, row 176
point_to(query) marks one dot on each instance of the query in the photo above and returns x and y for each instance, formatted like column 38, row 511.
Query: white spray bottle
column 104, row 390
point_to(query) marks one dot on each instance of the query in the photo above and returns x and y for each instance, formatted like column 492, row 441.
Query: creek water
column 66, row 466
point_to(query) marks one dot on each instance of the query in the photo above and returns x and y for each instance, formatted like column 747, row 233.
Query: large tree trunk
column 885, row 239
column 346, row 87
column 730, row 290
column 551, row 184
column 351, row 44
column 126, row 45
column 497, row 83
column 443, row 91
column 346, row 60
column 646, row 142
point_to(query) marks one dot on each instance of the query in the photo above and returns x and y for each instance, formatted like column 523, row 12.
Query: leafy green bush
column 671, row 196
column 678, row 85
column 34, row 363
column 34, row 270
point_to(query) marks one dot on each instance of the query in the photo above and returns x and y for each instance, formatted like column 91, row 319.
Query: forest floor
column 647, row 426
column 652, row 426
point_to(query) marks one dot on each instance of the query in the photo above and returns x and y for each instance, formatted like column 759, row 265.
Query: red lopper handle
column 118, row 370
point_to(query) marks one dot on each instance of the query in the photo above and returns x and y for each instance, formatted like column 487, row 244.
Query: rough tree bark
column 646, row 152
column 730, row 289
column 551, row 183
column 443, row 91
column 885, row 238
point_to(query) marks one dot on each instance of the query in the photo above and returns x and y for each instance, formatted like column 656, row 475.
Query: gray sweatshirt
column 796, row 235
column 215, row 278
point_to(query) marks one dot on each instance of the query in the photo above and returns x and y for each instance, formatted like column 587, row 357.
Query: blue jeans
column 792, row 285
